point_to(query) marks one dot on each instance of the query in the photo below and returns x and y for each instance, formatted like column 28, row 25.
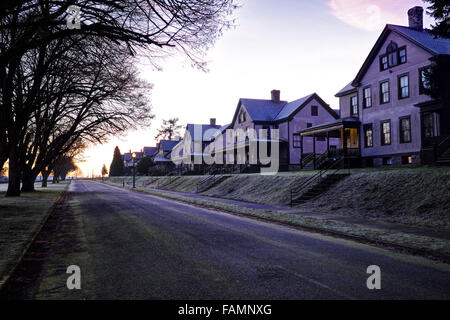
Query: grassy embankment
column 21, row 218
column 419, row 197
column 413, row 196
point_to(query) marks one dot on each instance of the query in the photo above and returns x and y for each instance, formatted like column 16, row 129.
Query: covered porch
column 347, row 130
column 435, row 131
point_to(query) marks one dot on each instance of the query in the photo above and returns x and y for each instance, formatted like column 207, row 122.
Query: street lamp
column 134, row 169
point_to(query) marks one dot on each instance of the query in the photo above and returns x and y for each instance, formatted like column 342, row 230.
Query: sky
column 296, row 46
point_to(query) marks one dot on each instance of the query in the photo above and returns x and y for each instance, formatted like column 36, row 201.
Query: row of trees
column 117, row 168
column 62, row 88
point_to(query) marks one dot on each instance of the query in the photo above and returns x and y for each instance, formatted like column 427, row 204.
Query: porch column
column 344, row 146
column 301, row 152
column 328, row 143
column 314, row 150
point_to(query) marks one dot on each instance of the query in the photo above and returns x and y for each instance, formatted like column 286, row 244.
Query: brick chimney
column 275, row 95
column 415, row 18
column 212, row 121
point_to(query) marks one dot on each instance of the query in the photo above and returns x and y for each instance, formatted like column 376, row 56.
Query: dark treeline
column 62, row 88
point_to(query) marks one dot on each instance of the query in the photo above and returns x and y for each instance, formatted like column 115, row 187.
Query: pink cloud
column 372, row 15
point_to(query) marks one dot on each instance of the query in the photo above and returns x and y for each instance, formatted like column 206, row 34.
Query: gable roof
column 262, row 110
column 269, row 111
column 150, row 151
column 167, row 145
column 207, row 134
column 423, row 39
column 346, row 90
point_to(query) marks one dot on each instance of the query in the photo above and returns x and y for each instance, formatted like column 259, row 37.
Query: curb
column 410, row 250
column 55, row 205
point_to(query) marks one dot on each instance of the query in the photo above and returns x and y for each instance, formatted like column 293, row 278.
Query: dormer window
column 242, row 116
column 393, row 56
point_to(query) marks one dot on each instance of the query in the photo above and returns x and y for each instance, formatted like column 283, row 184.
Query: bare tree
column 169, row 129
column 34, row 39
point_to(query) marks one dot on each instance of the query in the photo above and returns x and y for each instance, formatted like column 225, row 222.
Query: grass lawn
column 20, row 220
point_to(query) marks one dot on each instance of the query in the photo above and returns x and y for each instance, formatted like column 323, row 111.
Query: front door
column 430, row 127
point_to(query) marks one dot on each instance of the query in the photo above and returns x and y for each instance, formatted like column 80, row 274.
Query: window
column 384, row 63
column 367, row 97
column 297, row 140
column 354, row 106
column 405, row 129
column 402, row 55
column 387, row 161
column 407, row 159
column 368, row 135
column 385, row 95
column 242, row 117
column 403, row 87
column 423, row 81
column 309, row 125
column 428, row 125
column 385, row 132
column 393, row 56
column 314, row 111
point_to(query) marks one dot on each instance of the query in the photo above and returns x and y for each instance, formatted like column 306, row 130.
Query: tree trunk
column 14, row 174
column 28, row 179
column 45, row 178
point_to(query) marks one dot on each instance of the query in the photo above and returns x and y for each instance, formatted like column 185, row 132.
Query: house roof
column 262, row 110
column 346, row 90
column 167, row 145
column 291, row 107
column 269, row 111
column 150, row 151
column 221, row 130
column 423, row 39
column 207, row 134
column 350, row 122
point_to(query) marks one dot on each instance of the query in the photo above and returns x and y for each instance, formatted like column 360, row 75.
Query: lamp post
column 134, row 169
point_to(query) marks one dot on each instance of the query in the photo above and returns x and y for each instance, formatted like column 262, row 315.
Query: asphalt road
column 136, row 246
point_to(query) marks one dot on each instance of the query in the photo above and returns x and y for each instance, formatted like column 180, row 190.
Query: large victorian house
column 275, row 114
column 386, row 118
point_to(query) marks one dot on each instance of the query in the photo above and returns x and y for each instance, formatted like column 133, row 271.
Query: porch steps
column 319, row 188
column 444, row 158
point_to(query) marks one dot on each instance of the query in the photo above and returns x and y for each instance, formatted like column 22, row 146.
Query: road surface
column 130, row 245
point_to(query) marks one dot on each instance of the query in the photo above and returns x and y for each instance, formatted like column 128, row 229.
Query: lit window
column 368, row 135
column 386, row 132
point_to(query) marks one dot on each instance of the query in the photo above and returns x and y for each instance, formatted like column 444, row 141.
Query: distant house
column 385, row 117
column 163, row 151
column 189, row 153
column 289, row 118
column 128, row 159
